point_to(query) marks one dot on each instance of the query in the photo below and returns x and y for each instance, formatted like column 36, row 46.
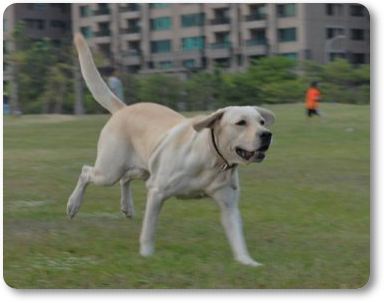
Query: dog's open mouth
column 246, row 155
column 257, row 155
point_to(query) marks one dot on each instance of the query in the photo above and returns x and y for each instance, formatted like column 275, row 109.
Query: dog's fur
column 176, row 156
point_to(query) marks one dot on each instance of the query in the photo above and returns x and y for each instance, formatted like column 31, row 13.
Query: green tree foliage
column 45, row 81
column 161, row 88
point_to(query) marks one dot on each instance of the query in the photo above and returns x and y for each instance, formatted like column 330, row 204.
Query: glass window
column 334, row 9
column 286, row 10
column 189, row 63
column 86, row 31
column 357, row 58
column 192, row 43
column 159, row 5
column 165, row 64
column 192, row 20
column 332, row 32
column 357, row 34
column 162, row 23
column 287, row 34
column 85, row 11
column 357, row 10
column 292, row 56
column 161, row 46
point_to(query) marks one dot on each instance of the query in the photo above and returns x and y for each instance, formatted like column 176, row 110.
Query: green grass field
column 306, row 212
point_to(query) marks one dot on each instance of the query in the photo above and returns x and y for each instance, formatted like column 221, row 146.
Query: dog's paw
column 128, row 212
column 72, row 209
column 146, row 250
column 249, row 262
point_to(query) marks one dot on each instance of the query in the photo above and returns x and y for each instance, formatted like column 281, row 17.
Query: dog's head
column 241, row 132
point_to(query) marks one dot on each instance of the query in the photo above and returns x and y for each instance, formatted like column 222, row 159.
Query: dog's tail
column 95, row 83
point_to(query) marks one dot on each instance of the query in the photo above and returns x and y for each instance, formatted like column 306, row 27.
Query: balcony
column 220, row 45
column 101, row 11
column 255, row 17
column 130, row 30
column 220, row 20
column 255, row 42
column 103, row 33
column 132, row 7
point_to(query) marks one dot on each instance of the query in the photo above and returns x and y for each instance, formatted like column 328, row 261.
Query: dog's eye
column 241, row 122
column 262, row 122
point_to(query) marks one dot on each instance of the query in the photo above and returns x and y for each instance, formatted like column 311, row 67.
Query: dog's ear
column 207, row 121
column 268, row 116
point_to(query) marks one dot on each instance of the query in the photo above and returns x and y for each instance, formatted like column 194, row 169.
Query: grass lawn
column 306, row 212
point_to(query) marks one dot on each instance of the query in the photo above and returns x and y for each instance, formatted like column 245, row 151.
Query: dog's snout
column 266, row 137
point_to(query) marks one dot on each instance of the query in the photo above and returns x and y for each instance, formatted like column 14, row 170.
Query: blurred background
column 195, row 56
column 306, row 209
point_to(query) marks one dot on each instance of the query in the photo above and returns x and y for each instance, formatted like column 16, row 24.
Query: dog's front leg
column 152, row 209
column 227, row 198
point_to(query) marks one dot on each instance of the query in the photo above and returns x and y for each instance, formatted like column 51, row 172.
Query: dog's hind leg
column 126, row 202
column 88, row 175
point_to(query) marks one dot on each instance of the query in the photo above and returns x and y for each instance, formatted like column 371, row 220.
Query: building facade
column 41, row 20
column 161, row 37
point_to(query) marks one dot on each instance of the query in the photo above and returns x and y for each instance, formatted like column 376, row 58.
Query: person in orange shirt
column 312, row 100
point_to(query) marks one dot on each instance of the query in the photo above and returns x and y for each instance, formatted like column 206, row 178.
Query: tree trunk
column 14, row 97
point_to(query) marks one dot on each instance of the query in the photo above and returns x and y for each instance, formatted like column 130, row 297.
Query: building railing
column 130, row 30
column 101, row 11
column 220, row 45
column 102, row 33
column 218, row 20
column 255, row 42
column 132, row 7
column 255, row 17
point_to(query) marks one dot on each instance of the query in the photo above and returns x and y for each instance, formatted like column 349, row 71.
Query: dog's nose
column 266, row 137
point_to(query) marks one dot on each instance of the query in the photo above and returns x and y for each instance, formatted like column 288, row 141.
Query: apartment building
column 158, row 37
column 41, row 20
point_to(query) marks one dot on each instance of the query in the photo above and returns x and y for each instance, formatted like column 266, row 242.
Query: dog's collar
column 225, row 166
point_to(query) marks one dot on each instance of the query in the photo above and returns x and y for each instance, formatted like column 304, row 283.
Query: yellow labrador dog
column 177, row 156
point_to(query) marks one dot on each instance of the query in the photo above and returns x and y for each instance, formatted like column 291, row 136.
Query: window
column 102, row 9
column 103, row 29
column 162, row 23
column 58, row 24
column 256, row 12
column 221, row 40
column 192, row 20
column 287, row 34
column 357, row 58
column 5, row 25
column 161, row 46
column 357, row 10
column 258, row 36
column 35, row 23
column 159, row 5
column 192, row 43
column 165, row 64
column 85, row 11
column 134, row 47
column 292, row 56
column 222, row 62
column 332, row 32
column 286, row 10
column 333, row 9
column 189, row 63
column 357, row 34
column 86, row 31
column 221, row 16
column 336, row 55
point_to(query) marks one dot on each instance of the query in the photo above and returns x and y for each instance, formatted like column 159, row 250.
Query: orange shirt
column 312, row 98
